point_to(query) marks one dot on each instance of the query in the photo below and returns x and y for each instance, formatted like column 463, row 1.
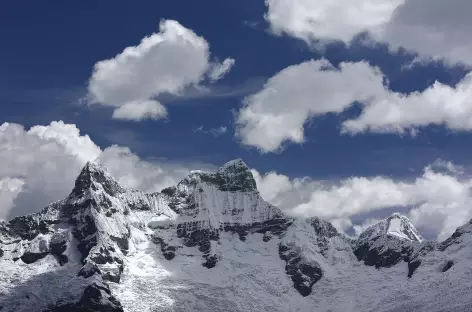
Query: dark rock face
column 26, row 227
column 93, row 172
column 324, row 230
column 412, row 266
column 122, row 243
column 414, row 261
column 211, row 261
column 456, row 237
column 88, row 270
column 92, row 300
column 112, row 277
column 447, row 266
column 385, row 251
column 192, row 235
column 1, row 252
column 141, row 204
column 273, row 227
column 380, row 256
column 267, row 237
column 303, row 275
column 200, row 238
column 85, row 232
column 57, row 249
column 232, row 177
column 196, row 237
column 105, row 255
column 30, row 257
column 169, row 191
column 167, row 250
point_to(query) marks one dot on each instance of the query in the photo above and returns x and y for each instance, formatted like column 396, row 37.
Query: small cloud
column 139, row 110
column 216, row 132
column 256, row 25
column 219, row 70
column 440, row 165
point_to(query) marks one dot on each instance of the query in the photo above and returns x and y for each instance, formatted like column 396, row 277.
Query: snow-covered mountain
column 211, row 243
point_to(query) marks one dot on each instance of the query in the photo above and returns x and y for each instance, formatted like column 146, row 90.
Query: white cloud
column 439, row 104
column 329, row 19
column 39, row 166
column 216, row 132
column 359, row 228
column 9, row 190
column 218, row 71
column 433, row 28
column 164, row 62
column 440, row 201
column 138, row 110
column 271, row 185
column 279, row 111
column 133, row 172
column 46, row 159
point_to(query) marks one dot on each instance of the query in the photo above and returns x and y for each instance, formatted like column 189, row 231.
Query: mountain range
column 212, row 243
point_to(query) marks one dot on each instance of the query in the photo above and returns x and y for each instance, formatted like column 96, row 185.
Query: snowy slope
column 211, row 243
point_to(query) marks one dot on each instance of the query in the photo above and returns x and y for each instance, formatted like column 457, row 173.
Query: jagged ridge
column 95, row 232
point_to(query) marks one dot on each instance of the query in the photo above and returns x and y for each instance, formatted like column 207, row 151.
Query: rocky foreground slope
column 211, row 243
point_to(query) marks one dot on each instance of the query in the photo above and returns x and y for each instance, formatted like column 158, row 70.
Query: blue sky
column 49, row 50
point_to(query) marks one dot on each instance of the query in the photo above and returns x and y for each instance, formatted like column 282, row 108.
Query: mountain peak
column 397, row 215
column 93, row 165
column 236, row 176
column 397, row 225
column 400, row 226
column 232, row 164
column 93, row 174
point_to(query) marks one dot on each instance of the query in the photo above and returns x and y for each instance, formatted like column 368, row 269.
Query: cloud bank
column 39, row 166
column 438, row 201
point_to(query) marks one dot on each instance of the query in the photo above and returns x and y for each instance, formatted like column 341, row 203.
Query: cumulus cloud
column 164, row 62
column 133, row 172
column 433, row 28
column 279, row 111
column 9, row 190
column 39, row 166
column 439, row 104
column 438, row 201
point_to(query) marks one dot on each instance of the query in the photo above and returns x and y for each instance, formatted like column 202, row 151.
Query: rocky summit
column 212, row 243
